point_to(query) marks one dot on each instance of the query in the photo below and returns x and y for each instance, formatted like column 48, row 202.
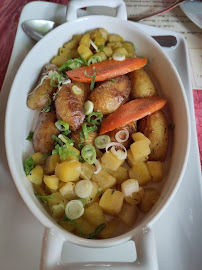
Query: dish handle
column 145, row 248
column 74, row 5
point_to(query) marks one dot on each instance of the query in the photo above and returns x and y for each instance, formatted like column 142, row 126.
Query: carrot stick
column 132, row 111
column 106, row 69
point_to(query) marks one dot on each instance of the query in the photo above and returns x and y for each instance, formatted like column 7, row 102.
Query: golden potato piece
column 42, row 140
column 141, row 85
column 155, row 128
column 109, row 95
column 111, row 202
column 69, row 105
column 150, row 197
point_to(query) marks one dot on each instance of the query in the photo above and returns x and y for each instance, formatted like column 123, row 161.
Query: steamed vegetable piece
column 155, row 128
column 109, row 95
column 106, row 69
column 142, row 85
column 132, row 111
column 42, row 139
column 43, row 92
column 69, row 105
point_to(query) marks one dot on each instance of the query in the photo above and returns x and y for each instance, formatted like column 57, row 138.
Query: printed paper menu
column 173, row 20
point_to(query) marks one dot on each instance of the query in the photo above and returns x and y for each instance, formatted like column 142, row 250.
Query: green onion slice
column 28, row 165
column 93, row 80
column 53, row 78
column 88, row 153
column 74, row 209
column 88, row 107
column 62, row 125
column 85, row 131
column 30, row 136
column 58, row 140
column 94, row 59
column 45, row 156
column 102, row 141
column 77, row 90
column 95, row 118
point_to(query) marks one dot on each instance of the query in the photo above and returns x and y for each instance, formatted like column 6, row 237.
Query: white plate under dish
column 177, row 232
column 193, row 10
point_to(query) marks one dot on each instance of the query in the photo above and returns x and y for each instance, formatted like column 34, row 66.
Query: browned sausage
column 42, row 140
column 109, row 95
column 155, row 127
column 42, row 94
column 69, row 105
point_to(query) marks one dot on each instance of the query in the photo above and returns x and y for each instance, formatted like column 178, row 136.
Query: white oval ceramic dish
column 20, row 119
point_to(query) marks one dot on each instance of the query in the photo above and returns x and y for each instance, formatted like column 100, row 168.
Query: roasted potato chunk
column 69, row 105
column 141, row 85
column 109, row 95
column 42, row 140
column 131, row 127
column 155, row 128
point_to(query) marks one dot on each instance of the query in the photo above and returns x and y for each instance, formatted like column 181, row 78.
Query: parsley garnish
column 44, row 198
column 30, row 136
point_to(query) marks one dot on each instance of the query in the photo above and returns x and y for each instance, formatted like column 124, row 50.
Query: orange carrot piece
column 132, row 111
column 106, row 69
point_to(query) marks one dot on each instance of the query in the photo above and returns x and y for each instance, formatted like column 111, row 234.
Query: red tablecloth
column 9, row 16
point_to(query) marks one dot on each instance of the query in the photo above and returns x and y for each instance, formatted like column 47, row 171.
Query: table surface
column 9, row 17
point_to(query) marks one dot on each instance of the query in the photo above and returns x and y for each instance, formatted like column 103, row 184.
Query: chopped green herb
column 58, row 140
column 93, row 80
column 80, row 146
column 112, row 80
column 66, row 219
column 83, row 201
column 30, row 136
column 47, row 107
column 85, row 131
column 44, row 198
column 98, row 230
column 28, row 165
column 113, row 190
column 101, row 47
column 46, row 155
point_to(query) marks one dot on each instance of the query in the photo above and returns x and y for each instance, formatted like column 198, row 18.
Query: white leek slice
column 93, row 44
column 98, row 166
column 88, row 107
column 129, row 187
column 74, row 209
column 120, row 133
column 83, row 188
column 118, row 57
column 121, row 154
